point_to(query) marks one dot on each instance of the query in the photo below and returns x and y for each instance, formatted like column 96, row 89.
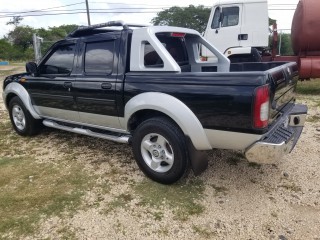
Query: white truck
column 239, row 29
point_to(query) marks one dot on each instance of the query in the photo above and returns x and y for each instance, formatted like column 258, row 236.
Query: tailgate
column 283, row 84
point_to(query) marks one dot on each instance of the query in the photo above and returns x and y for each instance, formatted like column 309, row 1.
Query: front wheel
column 22, row 121
column 160, row 150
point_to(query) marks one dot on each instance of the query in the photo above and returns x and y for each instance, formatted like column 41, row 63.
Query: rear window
column 99, row 57
column 175, row 46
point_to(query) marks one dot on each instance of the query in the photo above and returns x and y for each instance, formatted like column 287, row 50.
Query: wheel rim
column 157, row 152
column 18, row 117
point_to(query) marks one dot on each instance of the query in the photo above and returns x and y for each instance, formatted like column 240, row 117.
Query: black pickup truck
column 149, row 87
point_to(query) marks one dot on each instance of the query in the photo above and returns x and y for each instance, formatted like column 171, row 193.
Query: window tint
column 230, row 16
column 60, row 61
column 151, row 57
column 99, row 57
column 216, row 19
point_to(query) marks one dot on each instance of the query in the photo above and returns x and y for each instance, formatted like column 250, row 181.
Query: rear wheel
column 22, row 121
column 160, row 150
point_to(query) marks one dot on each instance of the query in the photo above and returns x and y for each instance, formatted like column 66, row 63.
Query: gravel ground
column 237, row 200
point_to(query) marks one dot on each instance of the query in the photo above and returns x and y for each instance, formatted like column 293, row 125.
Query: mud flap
column 198, row 159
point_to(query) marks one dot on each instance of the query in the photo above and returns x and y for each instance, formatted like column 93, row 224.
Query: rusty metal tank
column 305, row 34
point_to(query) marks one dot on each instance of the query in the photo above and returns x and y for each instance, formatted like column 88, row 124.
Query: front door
column 225, row 28
column 51, row 91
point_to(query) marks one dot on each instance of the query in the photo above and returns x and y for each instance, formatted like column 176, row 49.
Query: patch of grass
column 309, row 87
column 119, row 201
column 291, row 187
column 313, row 118
column 157, row 215
column 67, row 233
column 182, row 197
column 235, row 158
column 274, row 214
column 219, row 189
column 254, row 165
column 30, row 191
column 203, row 232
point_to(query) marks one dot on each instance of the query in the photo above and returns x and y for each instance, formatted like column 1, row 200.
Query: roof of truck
column 119, row 25
column 222, row 2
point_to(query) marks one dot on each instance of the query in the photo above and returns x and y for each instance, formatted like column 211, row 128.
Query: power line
column 65, row 11
column 80, row 9
column 45, row 8
column 71, row 13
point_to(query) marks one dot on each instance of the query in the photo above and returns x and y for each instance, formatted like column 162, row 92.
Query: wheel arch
column 151, row 104
column 15, row 89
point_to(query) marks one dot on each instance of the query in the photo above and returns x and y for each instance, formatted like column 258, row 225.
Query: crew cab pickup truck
column 148, row 87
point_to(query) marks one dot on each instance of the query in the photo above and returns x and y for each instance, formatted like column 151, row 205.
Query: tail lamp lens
column 261, row 107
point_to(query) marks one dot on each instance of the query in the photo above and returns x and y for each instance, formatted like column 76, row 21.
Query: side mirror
column 32, row 68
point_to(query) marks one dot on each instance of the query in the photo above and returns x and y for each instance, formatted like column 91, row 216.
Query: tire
column 22, row 121
column 160, row 150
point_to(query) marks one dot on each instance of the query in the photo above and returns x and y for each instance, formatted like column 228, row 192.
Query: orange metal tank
column 305, row 35
column 305, row 30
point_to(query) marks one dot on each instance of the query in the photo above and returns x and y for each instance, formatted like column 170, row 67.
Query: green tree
column 21, row 36
column 15, row 21
column 194, row 17
column 286, row 47
column 272, row 21
column 53, row 34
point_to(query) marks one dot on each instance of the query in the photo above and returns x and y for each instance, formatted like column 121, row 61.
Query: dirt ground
column 232, row 199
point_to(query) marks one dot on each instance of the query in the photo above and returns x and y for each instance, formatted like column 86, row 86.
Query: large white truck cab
column 238, row 28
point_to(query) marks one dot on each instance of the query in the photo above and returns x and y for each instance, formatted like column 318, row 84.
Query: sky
column 11, row 7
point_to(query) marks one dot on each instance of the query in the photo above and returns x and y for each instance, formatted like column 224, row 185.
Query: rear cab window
column 176, row 46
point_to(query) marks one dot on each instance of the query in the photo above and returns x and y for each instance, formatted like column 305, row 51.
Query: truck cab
column 236, row 27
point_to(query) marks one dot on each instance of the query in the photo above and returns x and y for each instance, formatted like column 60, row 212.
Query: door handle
column 106, row 85
column 67, row 84
column 243, row 37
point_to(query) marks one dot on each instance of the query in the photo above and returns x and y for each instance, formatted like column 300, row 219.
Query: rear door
column 95, row 85
column 51, row 91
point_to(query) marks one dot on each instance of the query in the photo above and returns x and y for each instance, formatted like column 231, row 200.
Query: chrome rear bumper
column 281, row 139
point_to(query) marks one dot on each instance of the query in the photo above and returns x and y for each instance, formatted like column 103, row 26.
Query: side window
column 230, row 16
column 151, row 57
column 98, row 57
column 216, row 18
column 60, row 61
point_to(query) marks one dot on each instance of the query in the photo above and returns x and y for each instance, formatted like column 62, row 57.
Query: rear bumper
column 281, row 139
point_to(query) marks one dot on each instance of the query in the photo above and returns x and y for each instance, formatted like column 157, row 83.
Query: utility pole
column 88, row 14
column 37, row 47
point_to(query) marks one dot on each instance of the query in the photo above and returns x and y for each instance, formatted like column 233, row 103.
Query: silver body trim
column 22, row 93
column 231, row 140
column 173, row 108
column 100, row 120
column 120, row 139
column 89, row 125
column 47, row 112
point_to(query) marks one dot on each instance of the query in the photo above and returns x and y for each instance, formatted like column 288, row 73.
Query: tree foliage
column 21, row 36
column 286, row 47
column 15, row 21
column 194, row 17
column 18, row 44
column 272, row 21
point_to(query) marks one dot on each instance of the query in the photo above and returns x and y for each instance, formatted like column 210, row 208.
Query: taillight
column 261, row 107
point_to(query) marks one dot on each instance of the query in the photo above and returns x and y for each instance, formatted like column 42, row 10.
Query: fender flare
column 175, row 109
column 22, row 93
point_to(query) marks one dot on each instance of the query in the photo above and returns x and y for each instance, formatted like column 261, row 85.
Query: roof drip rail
column 101, row 25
